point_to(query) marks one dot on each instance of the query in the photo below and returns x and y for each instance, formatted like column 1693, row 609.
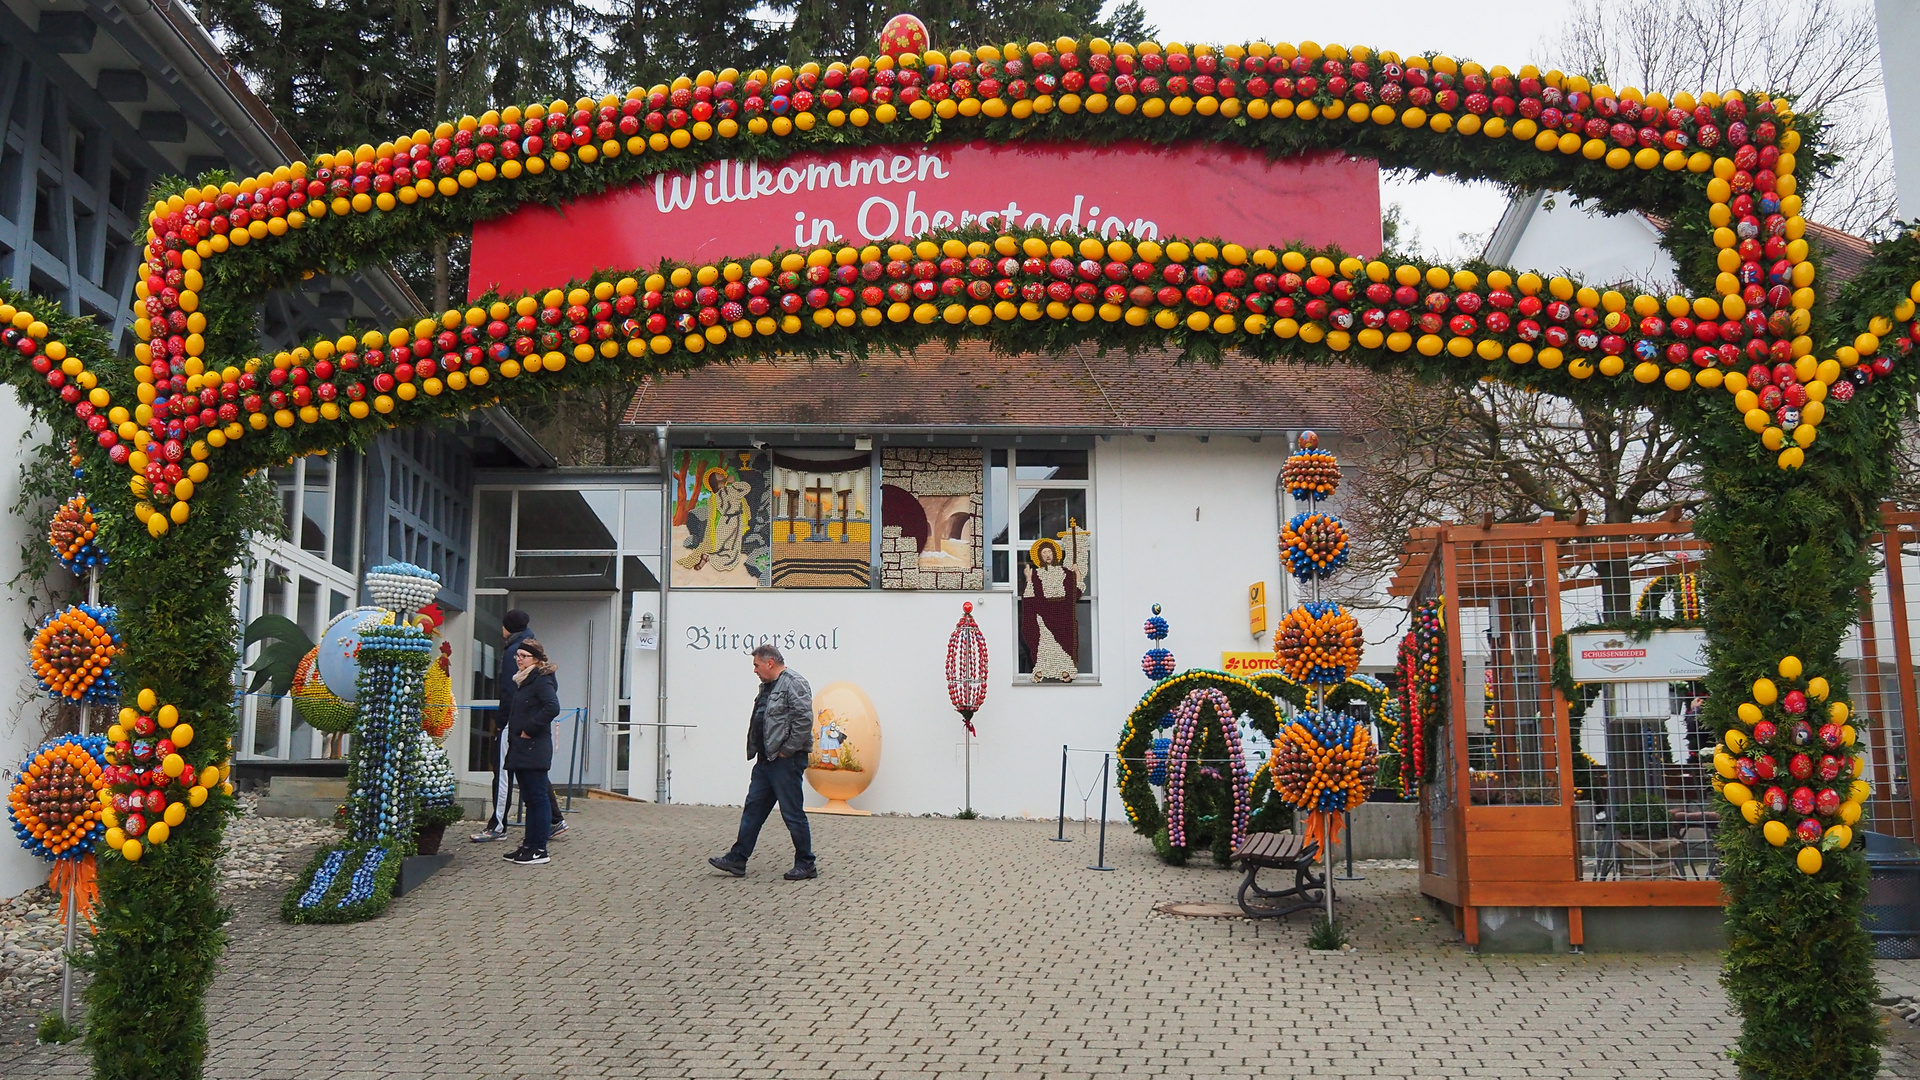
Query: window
column 1051, row 495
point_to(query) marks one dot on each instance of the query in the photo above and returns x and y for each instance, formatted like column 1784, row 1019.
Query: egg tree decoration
column 1422, row 666
column 1790, row 396
column 967, row 682
column 55, row 811
column 71, row 535
column 1183, row 757
column 435, row 786
column 1324, row 762
column 72, row 655
column 1158, row 662
column 1315, row 545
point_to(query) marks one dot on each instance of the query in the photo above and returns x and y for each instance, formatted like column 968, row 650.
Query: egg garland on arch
column 1737, row 153
column 1792, row 766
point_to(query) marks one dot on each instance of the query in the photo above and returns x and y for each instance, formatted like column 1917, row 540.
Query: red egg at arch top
column 903, row 34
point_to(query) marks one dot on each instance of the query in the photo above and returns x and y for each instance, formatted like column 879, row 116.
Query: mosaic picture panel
column 930, row 518
column 721, row 523
column 822, row 519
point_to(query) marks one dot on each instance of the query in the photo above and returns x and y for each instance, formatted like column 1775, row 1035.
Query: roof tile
column 973, row 386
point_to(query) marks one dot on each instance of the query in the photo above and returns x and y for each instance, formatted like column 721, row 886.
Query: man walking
column 515, row 628
column 778, row 740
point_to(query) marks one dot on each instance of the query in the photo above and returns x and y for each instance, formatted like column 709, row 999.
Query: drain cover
column 1198, row 910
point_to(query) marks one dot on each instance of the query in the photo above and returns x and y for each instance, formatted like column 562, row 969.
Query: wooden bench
column 1283, row 852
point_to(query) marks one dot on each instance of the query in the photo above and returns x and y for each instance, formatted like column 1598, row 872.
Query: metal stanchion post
column 1346, row 819
column 1060, row 835
column 66, row 958
column 1106, row 763
column 579, row 721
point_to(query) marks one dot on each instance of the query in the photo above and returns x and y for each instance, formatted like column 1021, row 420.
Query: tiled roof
column 973, row 387
column 1845, row 254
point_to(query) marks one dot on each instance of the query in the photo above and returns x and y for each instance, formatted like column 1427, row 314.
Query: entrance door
column 577, row 632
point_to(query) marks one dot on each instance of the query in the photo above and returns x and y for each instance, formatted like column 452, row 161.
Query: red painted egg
column 903, row 34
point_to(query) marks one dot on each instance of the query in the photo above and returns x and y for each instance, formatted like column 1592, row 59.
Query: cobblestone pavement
column 927, row 947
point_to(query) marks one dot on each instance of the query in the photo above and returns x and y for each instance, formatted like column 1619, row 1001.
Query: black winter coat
column 503, row 680
column 530, row 722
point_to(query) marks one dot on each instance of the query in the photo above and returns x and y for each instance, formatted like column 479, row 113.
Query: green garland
column 1209, row 802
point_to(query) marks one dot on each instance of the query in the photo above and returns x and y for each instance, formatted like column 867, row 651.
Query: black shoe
column 514, row 854
column 722, row 863
column 802, row 871
column 524, row 857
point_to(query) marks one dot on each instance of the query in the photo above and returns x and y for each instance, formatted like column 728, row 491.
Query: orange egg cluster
column 72, row 529
column 1311, row 474
column 1317, row 644
column 1328, row 769
column 54, row 805
column 71, row 652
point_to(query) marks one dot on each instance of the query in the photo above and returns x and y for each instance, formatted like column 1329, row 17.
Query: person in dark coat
column 514, row 629
column 779, row 739
column 529, row 737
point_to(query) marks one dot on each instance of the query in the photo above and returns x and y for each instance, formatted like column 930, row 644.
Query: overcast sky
column 1497, row 32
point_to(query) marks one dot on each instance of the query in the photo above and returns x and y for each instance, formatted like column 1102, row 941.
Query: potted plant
column 1644, row 834
column 430, row 825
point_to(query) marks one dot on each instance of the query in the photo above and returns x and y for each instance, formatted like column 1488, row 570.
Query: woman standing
column 536, row 701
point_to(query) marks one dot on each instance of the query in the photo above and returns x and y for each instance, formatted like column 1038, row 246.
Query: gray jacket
column 789, row 722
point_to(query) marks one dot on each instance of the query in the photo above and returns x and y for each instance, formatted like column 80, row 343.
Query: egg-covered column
column 393, row 665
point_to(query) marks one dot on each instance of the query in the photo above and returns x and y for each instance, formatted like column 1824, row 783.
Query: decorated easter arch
column 164, row 438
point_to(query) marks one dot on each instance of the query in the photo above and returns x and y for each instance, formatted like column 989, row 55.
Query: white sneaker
column 488, row 836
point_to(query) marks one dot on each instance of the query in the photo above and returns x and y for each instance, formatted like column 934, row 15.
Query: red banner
column 882, row 194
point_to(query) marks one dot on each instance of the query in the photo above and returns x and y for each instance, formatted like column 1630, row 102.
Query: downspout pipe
column 662, row 790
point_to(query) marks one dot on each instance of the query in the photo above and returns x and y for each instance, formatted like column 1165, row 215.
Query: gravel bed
column 261, row 853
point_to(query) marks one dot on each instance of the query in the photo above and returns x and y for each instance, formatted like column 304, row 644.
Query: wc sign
column 1662, row 656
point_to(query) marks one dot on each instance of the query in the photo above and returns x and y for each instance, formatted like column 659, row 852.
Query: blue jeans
column 774, row 781
column 536, row 801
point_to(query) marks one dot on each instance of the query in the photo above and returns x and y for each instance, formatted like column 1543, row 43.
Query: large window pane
column 552, row 520
column 286, row 480
column 1048, row 511
column 346, row 485
column 316, row 506
column 642, row 532
column 492, row 535
column 996, row 508
column 488, row 610
column 1052, row 465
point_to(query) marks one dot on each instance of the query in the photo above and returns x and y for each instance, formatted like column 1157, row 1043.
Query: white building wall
column 1899, row 23
column 1184, row 524
column 1591, row 247
column 21, row 702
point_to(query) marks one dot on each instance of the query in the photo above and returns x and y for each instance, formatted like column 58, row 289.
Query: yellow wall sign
column 1257, row 608
column 1244, row 664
